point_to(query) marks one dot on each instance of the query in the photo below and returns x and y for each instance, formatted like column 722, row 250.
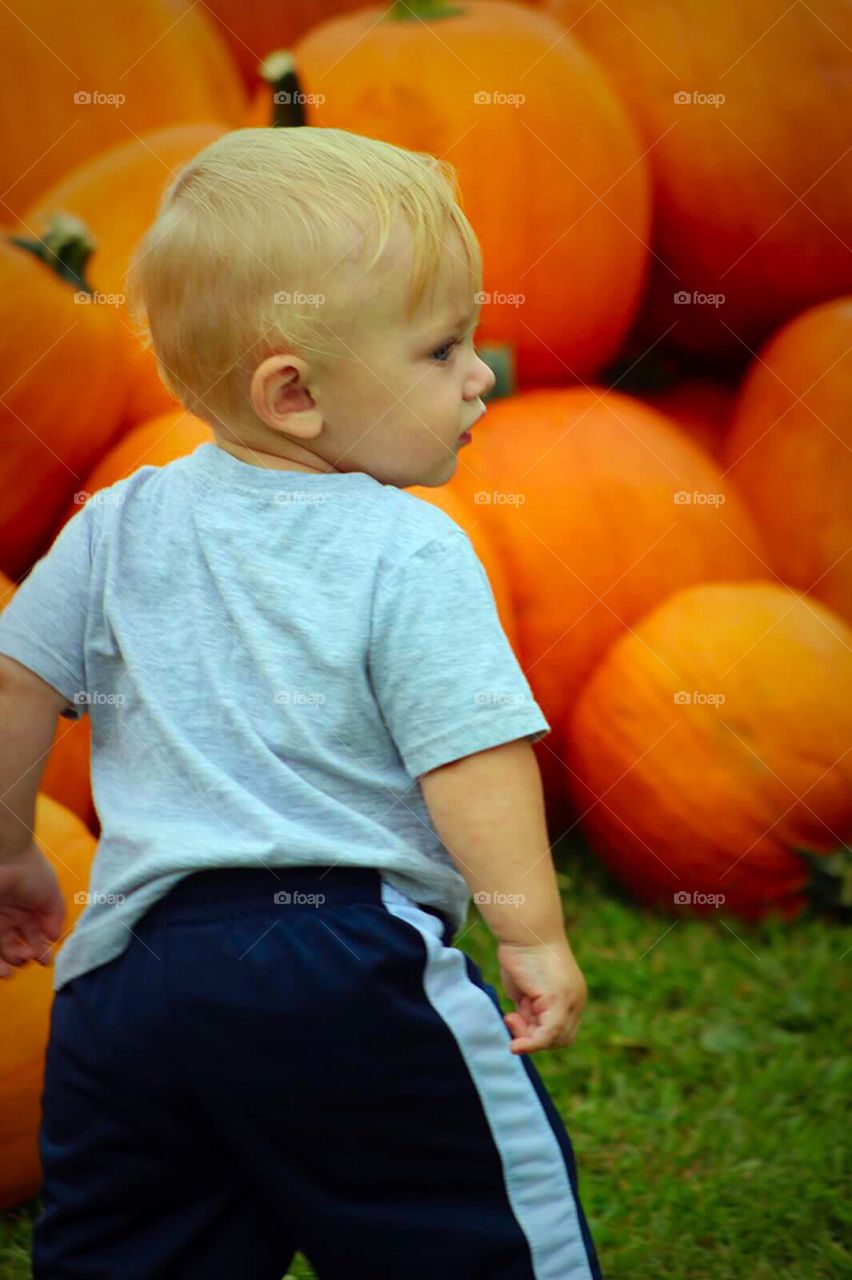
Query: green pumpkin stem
column 279, row 71
column 422, row 10
column 66, row 247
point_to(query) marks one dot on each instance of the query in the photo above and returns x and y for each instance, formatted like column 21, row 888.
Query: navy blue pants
column 297, row 1059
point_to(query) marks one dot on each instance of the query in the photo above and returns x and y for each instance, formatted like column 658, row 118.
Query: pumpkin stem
column 66, row 247
column 278, row 69
column 425, row 10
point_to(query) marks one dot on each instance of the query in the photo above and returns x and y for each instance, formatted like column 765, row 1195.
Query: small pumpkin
column 79, row 81
column 552, row 176
column 59, row 351
column 26, row 998
column 708, row 753
column 600, row 508
column 789, row 451
column 116, row 194
column 751, row 192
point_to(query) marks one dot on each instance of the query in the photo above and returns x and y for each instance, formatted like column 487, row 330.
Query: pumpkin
column 701, row 407
column 67, row 776
column 26, row 998
column 58, row 351
column 708, row 753
column 452, row 503
column 790, row 451
column 168, row 436
column 555, row 186
column 584, row 493
column 751, row 195
column 116, row 194
column 152, row 63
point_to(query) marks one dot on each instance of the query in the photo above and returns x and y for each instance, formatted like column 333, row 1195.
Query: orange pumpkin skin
column 156, row 443
column 556, row 188
column 63, row 401
column 579, row 490
column 451, row 502
column 790, row 451
column 165, row 56
column 703, row 796
column 116, row 194
column 751, row 197
column 700, row 407
column 25, row 1003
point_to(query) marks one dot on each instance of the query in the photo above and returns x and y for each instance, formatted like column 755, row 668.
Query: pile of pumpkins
column 662, row 494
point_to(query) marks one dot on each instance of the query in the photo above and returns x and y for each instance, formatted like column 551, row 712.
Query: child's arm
column 31, row 902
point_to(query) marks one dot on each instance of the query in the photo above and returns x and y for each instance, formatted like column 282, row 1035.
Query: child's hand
column 32, row 910
column 549, row 990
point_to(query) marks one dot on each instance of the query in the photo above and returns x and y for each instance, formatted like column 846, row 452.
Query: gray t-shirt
column 269, row 659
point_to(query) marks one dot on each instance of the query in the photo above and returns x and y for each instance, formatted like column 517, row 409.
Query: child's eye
column 436, row 354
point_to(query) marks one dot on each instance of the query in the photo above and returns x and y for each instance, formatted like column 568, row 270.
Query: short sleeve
column 44, row 624
column 443, row 672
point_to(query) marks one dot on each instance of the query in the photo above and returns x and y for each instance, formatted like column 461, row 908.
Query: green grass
column 706, row 1094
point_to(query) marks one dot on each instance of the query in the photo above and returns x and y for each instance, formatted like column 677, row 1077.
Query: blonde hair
column 263, row 213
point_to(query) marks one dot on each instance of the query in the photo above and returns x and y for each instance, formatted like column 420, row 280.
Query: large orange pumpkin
column 25, row 1003
column 116, row 194
column 67, row 775
column 584, row 492
column 555, row 185
column 711, row 745
column 790, row 451
column 751, row 195
column 61, row 403
column 164, row 59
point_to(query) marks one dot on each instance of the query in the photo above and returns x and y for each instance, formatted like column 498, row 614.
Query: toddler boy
column 311, row 742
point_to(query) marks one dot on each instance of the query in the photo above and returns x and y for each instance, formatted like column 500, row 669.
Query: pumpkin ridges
column 713, row 790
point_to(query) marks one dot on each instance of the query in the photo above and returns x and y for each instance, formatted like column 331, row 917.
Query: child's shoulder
column 419, row 520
